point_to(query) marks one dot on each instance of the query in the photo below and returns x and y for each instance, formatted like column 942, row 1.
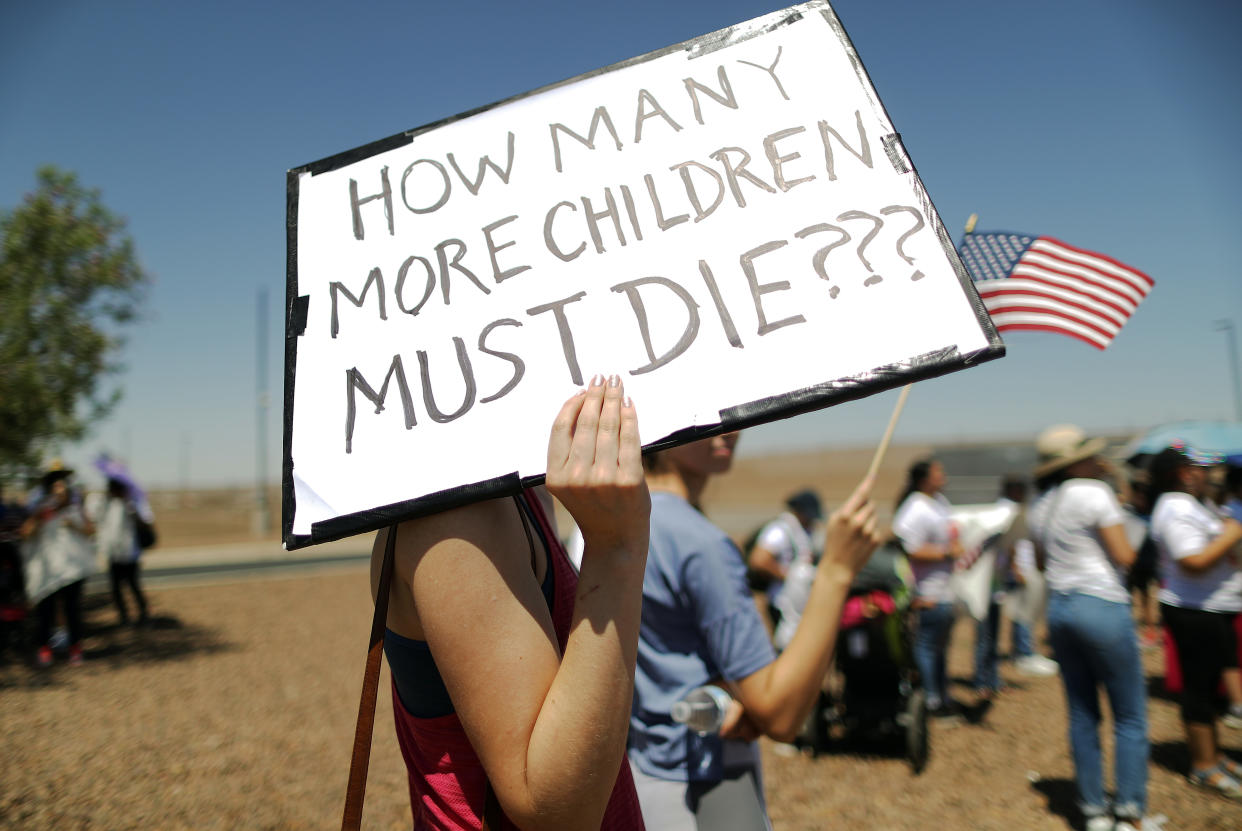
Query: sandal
column 1216, row 779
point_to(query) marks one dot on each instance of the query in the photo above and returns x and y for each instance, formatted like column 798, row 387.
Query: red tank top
column 447, row 782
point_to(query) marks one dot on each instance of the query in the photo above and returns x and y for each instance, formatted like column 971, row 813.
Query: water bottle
column 703, row 709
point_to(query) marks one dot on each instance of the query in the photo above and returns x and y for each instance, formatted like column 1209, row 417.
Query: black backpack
column 758, row 581
column 144, row 532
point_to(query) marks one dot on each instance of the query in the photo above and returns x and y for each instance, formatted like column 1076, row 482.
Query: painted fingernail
column 614, row 380
column 627, row 402
column 597, row 380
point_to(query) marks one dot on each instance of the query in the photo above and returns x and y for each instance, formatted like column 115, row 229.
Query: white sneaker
column 1155, row 823
column 1100, row 823
column 1037, row 666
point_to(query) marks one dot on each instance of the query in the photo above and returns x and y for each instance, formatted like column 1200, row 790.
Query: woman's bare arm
column 778, row 697
column 761, row 559
column 1218, row 547
column 935, row 552
column 1117, row 546
column 549, row 729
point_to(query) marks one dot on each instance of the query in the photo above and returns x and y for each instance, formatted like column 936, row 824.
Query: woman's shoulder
column 493, row 526
column 1085, row 485
column 676, row 520
column 919, row 504
column 448, row 522
column 665, row 504
column 1175, row 504
column 1089, row 493
column 468, row 548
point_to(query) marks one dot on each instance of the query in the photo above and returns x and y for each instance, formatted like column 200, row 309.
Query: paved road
column 165, row 568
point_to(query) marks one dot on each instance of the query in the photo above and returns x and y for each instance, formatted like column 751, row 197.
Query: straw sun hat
column 1062, row 445
column 55, row 470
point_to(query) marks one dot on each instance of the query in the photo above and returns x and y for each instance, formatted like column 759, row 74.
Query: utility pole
column 1226, row 326
column 262, row 512
column 185, row 469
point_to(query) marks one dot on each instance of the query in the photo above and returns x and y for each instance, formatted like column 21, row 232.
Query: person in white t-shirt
column 925, row 530
column 1231, row 502
column 1201, row 597
column 57, row 558
column 116, row 538
column 1078, row 526
column 784, row 551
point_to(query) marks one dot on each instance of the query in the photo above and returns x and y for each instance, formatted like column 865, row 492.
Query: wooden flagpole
column 888, row 433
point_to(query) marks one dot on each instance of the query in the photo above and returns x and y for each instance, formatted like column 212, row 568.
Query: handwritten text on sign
column 717, row 229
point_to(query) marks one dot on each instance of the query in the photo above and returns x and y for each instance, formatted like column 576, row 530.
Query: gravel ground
column 236, row 710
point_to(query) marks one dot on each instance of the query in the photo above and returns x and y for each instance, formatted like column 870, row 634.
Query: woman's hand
column 1231, row 530
column 852, row 532
column 737, row 725
column 955, row 550
column 595, row 468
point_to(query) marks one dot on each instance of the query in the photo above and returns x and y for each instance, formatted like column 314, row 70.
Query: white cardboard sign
column 730, row 224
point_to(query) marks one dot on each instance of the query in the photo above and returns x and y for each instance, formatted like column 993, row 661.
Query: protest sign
column 981, row 530
column 730, row 224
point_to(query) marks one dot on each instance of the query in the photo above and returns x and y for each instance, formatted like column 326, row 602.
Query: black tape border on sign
column 762, row 411
column 786, row 405
column 295, row 308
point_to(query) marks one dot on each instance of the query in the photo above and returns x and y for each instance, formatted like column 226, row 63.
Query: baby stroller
column 881, row 699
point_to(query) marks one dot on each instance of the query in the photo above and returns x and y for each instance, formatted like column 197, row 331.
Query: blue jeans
column 1023, row 642
column 986, row 630
column 1094, row 643
column 931, row 642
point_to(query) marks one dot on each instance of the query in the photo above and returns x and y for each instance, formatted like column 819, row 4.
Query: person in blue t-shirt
column 700, row 625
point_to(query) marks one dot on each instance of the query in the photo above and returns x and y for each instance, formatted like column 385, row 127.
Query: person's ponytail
column 915, row 477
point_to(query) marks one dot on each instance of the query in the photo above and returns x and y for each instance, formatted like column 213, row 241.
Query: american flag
column 1042, row 284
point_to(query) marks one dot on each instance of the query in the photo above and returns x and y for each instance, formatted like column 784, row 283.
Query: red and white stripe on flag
column 1042, row 284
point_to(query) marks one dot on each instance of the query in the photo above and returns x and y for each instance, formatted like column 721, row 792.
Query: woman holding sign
column 702, row 634
column 512, row 676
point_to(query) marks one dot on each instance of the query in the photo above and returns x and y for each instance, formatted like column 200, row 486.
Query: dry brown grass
column 236, row 712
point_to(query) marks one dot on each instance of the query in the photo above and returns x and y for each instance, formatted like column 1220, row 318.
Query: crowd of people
column 517, row 669
column 543, row 671
column 50, row 543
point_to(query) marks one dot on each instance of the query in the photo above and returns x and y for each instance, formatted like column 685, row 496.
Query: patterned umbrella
column 1220, row 437
column 114, row 469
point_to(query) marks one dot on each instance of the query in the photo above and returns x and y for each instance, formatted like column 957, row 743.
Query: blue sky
column 1110, row 124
